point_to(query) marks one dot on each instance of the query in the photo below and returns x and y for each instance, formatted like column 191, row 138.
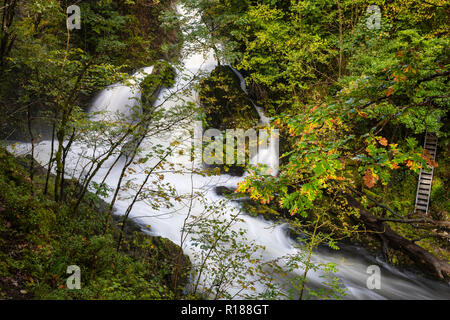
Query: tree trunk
column 420, row 256
column 50, row 162
column 30, row 132
column 6, row 38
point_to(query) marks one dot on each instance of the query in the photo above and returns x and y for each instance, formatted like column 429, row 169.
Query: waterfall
column 269, row 154
column 352, row 261
column 120, row 98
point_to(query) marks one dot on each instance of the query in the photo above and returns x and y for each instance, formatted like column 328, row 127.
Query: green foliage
column 229, row 261
column 351, row 102
column 225, row 105
column 230, row 266
column 53, row 70
column 163, row 76
column 405, row 78
column 39, row 239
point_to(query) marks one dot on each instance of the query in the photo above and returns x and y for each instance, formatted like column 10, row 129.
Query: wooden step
column 426, row 175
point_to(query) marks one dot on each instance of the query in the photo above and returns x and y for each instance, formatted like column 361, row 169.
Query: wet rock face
column 226, row 107
column 224, row 191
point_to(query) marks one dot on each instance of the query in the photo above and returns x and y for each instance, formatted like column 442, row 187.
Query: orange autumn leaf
column 370, row 179
column 294, row 211
column 428, row 158
column 362, row 114
column 426, row 155
column 410, row 164
column 433, row 164
column 389, row 91
column 314, row 109
column 383, row 141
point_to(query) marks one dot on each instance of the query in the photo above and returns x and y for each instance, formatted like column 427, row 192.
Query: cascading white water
column 120, row 98
column 168, row 222
column 268, row 155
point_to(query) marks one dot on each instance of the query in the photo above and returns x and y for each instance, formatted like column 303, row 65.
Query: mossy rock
column 163, row 76
column 225, row 105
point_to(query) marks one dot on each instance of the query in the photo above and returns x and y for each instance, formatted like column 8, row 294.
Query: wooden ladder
column 426, row 176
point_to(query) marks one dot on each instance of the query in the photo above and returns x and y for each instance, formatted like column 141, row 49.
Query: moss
column 440, row 193
column 225, row 105
column 163, row 76
column 39, row 239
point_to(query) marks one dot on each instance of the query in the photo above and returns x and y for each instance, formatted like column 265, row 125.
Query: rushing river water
column 352, row 262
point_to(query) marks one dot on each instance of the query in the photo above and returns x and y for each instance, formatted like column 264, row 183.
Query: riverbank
column 40, row 238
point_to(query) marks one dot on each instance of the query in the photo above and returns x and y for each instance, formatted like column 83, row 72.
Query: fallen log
column 420, row 256
column 433, row 223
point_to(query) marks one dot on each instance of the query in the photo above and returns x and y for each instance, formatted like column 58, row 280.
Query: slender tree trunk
column 30, row 132
column 109, row 172
column 100, row 163
column 116, row 193
column 66, row 150
column 60, row 135
column 341, row 41
column 50, row 162
column 6, row 39
column 308, row 262
column 136, row 196
column 210, row 251
column 119, row 183
column 183, row 238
